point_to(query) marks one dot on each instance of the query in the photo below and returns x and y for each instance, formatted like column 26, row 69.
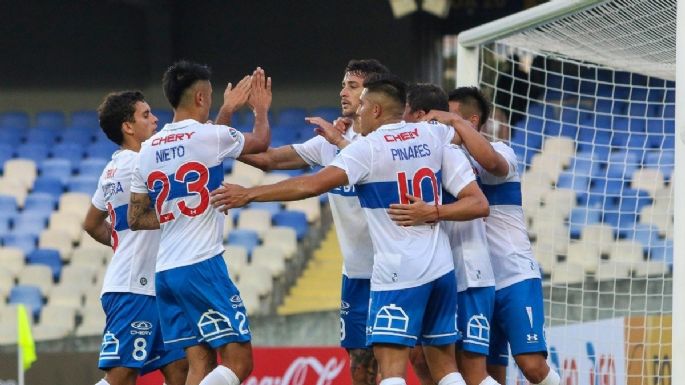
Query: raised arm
column 141, row 216
column 97, row 227
column 281, row 158
column 231, row 196
column 471, row 204
column 479, row 147
column 260, row 101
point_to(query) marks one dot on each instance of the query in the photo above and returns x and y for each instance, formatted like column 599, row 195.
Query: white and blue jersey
column 518, row 317
column 395, row 160
column 178, row 167
column 354, row 240
column 475, row 279
column 132, row 337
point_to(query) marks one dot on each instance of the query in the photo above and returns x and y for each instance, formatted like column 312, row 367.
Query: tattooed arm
column 141, row 216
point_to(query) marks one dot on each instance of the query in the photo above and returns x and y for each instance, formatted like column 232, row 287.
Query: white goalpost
column 588, row 90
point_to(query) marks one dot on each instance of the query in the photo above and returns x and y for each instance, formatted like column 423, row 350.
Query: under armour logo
column 532, row 337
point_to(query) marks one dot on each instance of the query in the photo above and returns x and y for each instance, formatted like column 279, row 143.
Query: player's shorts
column 132, row 337
column 518, row 319
column 354, row 311
column 424, row 314
column 474, row 318
column 199, row 303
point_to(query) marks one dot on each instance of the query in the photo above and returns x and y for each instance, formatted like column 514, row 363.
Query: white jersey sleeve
column 98, row 199
column 356, row 160
column 312, row 151
column 138, row 184
column 456, row 170
column 230, row 142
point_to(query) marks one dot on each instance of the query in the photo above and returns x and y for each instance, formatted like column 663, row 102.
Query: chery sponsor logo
column 303, row 371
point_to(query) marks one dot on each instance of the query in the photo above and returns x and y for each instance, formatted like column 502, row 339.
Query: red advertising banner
column 294, row 366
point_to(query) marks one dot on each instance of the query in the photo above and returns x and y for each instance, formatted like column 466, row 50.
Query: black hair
column 425, row 97
column 389, row 85
column 366, row 67
column 181, row 76
column 474, row 97
column 117, row 108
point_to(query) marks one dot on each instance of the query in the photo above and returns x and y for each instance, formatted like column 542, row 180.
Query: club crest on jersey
column 111, row 189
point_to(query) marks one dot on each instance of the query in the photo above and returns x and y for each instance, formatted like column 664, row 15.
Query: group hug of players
column 438, row 269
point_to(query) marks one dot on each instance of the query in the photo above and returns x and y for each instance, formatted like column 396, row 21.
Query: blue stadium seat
column 58, row 168
column 585, row 166
column 101, row 149
column 92, row 167
column 272, row 207
column 622, row 222
column 638, row 94
column 249, row 239
column 85, row 118
column 49, row 257
column 50, row 185
column 54, row 120
column 39, row 135
column 11, row 137
column 551, row 128
column 580, row 217
column 637, row 141
column 28, row 295
column 14, row 120
column 82, row 184
column 305, row 133
column 248, row 121
column 4, row 226
column 637, row 109
column 536, row 109
column 632, row 201
column 662, row 251
column 284, row 134
column 35, row 152
column 327, row 113
column 655, row 126
column 569, row 115
column 70, row 151
column 25, row 242
column 573, row 181
column 648, row 235
column 604, row 106
column 8, row 204
column 620, row 124
column 669, row 111
column 534, row 124
column 622, row 164
column 40, row 201
column 30, row 223
column 81, row 136
column 292, row 117
column 295, row 219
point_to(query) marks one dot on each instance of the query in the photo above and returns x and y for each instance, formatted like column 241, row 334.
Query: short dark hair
column 366, row 67
column 474, row 97
column 117, row 108
column 181, row 76
column 389, row 85
column 425, row 97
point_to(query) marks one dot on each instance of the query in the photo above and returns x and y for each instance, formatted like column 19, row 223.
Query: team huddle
column 438, row 269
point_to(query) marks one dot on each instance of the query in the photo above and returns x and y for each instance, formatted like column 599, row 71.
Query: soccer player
column 201, row 309
column 468, row 240
column 350, row 223
column 132, row 342
column 412, row 283
column 518, row 317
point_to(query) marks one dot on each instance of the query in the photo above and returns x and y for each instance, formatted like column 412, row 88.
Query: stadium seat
column 81, row 137
column 68, row 222
column 626, row 251
column 646, row 234
column 58, row 315
column 310, row 206
column 92, row 257
column 646, row 179
column 8, row 204
column 11, row 138
column 93, row 320
column 25, row 242
column 41, row 136
column 48, row 185
column 253, row 174
column 295, row 219
column 327, row 113
column 259, row 278
column 21, row 170
column 71, row 151
column 92, row 167
column 601, row 235
column 48, row 257
column 235, row 255
column 254, row 219
column 84, row 118
column 58, row 240
column 49, row 332
column 580, row 217
column 30, row 296
column 249, row 239
column 662, row 251
column 566, row 273
column 74, row 202
column 292, row 117
column 583, row 254
column 82, row 184
column 67, row 295
column 271, row 257
column 657, row 216
column 54, row 120
column 58, row 168
column 40, row 202
column 102, row 149
column 32, row 222
column 14, row 120
column 612, row 270
column 6, row 284
column 12, row 259
column 271, row 207
column 284, row 238
column 35, row 152
column 13, row 188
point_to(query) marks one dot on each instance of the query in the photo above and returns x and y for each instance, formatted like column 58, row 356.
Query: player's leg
column 418, row 362
column 439, row 331
column 392, row 361
column 236, row 365
column 201, row 362
column 498, row 357
column 175, row 373
column 130, row 320
column 498, row 372
column 474, row 321
column 522, row 307
column 354, row 311
column 172, row 363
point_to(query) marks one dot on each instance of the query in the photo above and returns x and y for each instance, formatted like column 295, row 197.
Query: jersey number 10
column 419, row 176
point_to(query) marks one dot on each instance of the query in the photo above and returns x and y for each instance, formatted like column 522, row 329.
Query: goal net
column 587, row 100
